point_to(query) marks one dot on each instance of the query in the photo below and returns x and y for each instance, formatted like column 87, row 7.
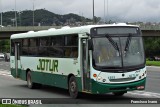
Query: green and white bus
column 92, row 59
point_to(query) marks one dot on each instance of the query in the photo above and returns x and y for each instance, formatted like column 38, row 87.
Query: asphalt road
column 153, row 79
column 14, row 88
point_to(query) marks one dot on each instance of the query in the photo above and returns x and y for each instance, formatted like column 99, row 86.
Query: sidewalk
column 153, row 67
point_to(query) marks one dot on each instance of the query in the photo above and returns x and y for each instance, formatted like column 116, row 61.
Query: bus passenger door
column 85, row 66
column 17, row 59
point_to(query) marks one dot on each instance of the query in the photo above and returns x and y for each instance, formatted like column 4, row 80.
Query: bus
column 93, row 59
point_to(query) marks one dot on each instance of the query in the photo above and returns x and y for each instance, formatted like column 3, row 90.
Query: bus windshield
column 117, row 51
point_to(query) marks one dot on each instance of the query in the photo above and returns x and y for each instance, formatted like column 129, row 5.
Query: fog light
column 140, row 87
column 104, row 80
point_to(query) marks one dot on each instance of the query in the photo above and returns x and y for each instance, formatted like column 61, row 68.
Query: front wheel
column 73, row 88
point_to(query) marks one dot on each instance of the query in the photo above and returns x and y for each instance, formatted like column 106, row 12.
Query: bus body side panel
column 41, row 72
column 12, row 66
column 13, row 69
column 56, row 80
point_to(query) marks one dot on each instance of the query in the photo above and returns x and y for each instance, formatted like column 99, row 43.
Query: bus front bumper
column 101, row 88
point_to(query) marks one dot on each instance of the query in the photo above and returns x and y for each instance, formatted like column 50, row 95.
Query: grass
column 9, row 105
column 153, row 63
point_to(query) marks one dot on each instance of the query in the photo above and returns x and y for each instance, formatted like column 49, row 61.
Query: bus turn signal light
column 94, row 75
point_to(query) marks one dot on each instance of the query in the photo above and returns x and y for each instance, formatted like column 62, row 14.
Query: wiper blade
column 128, row 42
column 114, row 44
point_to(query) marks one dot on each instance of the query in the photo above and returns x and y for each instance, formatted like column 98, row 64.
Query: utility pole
column 104, row 11
column 20, row 13
column 108, row 13
column 1, row 12
column 15, row 15
column 33, row 13
column 93, row 13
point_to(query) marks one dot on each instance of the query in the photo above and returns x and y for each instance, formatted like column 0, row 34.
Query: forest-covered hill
column 41, row 17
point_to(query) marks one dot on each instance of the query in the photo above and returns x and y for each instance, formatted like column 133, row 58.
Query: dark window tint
column 25, row 51
column 43, row 51
column 54, row 46
column 25, row 43
column 44, row 41
column 33, row 42
column 33, row 49
column 71, row 40
column 56, row 51
column 57, row 41
column 71, row 46
column 71, row 52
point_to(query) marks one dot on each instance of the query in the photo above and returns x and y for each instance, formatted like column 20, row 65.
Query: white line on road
column 145, row 93
column 5, row 72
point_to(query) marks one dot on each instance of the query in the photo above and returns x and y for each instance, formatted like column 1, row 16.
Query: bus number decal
column 48, row 65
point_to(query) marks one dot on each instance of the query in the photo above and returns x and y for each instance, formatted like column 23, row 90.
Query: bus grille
column 122, row 79
column 122, row 88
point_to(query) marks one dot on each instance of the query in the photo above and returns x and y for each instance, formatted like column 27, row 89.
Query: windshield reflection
column 107, row 55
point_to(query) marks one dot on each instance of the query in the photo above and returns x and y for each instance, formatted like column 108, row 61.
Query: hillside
column 41, row 17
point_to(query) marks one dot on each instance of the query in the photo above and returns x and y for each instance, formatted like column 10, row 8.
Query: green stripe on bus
column 56, row 80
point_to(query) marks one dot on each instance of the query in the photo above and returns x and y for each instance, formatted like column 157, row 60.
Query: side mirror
column 90, row 44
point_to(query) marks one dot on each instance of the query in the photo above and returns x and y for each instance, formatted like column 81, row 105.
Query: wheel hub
column 73, row 86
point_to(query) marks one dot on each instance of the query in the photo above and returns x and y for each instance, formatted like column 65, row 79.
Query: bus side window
column 74, row 53
column 25, row 44
column 67, row 52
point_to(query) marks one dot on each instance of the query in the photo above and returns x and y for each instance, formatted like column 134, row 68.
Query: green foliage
column 9, row 105
column 152, row 46
column 41, row 16
column 153, row 63
column 4, row 45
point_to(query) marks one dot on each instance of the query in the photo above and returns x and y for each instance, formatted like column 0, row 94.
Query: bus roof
column 64, row 30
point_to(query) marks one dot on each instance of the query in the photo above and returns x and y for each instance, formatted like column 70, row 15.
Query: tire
column 31, row 84
column 119, row 93
column 73, row 88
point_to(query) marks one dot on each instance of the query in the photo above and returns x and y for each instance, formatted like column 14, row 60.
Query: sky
column 116, row 10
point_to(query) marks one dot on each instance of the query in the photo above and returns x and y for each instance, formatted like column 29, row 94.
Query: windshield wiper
column 128, row 43
column 114, row 44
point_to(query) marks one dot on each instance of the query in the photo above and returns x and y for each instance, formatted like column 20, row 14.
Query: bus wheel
column 119, row 93
column 73, row 89
column 30, row 84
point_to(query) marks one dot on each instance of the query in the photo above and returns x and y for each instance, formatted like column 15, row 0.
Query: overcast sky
column 118, row 10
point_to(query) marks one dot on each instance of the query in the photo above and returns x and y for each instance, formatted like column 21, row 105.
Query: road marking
column 4, row 70
column 137, row 93
column 5, row 73
column 145, row 93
